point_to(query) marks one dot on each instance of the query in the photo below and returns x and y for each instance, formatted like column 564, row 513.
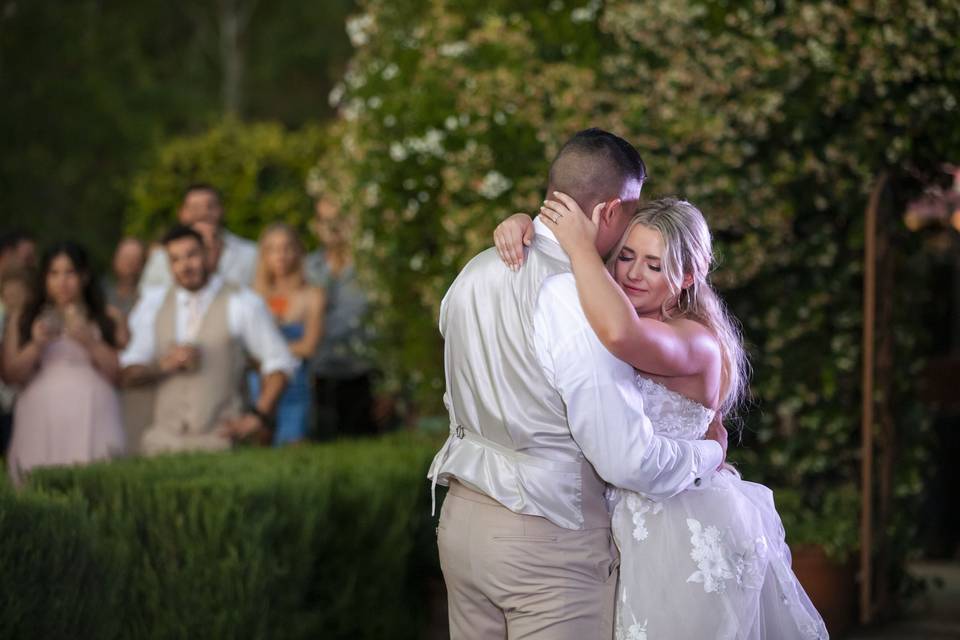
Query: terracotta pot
column 831, row 586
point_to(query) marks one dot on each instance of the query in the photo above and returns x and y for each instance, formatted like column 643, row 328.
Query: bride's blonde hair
column 688, row 249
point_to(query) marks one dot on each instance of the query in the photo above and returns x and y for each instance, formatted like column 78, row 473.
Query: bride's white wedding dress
column 710, row 562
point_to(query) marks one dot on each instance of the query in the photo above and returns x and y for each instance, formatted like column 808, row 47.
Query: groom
column 541, row 417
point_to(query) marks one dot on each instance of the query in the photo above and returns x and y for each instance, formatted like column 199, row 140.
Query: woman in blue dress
column 298, row 309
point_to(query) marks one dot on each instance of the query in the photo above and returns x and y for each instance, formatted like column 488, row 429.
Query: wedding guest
column 122, row 292
column 298, row 310
column 192, row 341
column 18, row 250
column 14, row 295
column 121, row 288
column 203, row 203
column 343, row 375
column 61, row 350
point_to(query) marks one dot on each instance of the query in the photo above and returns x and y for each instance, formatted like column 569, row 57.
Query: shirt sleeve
column 141, row 350
column 156, row 273
column 605, row 407
column 260, row 335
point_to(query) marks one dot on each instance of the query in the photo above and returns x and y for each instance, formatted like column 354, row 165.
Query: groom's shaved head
column 596, row 166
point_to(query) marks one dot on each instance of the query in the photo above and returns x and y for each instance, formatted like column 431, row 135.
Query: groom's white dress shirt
column 604, row 406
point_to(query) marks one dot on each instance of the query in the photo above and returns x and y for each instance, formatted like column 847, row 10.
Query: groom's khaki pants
column 523, row 577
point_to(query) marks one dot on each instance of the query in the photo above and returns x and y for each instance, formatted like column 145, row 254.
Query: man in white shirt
column 238, row 261
column 541, row 416
column 192, row 341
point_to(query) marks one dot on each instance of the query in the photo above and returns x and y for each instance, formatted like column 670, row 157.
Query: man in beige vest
column 541, row 416
column 192, row 340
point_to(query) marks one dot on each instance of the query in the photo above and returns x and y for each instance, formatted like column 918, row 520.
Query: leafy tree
column 90, row 88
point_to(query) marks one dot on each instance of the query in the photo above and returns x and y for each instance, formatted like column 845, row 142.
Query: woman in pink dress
column 62, row 351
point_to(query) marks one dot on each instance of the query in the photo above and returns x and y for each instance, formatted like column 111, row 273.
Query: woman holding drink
column 62, row 351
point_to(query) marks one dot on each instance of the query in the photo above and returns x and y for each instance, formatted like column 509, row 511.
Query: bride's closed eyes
column 627, row 255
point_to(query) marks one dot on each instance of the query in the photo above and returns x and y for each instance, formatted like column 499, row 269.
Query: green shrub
column 260, row 168
column 331, row 541
column 59, row 579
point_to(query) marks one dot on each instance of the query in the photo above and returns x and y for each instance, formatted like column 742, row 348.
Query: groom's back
column 509, row 434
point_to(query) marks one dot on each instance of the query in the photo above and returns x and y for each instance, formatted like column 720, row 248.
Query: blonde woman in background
column 710, row 562
column 298, row 309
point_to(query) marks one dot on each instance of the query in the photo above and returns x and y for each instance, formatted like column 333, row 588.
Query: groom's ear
column 611, row 211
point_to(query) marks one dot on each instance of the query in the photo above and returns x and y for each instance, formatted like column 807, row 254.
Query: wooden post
column 866, row 425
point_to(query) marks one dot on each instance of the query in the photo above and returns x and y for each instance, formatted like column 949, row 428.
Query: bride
column 710, row 562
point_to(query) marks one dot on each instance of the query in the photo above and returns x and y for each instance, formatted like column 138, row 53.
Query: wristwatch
column 267, row 420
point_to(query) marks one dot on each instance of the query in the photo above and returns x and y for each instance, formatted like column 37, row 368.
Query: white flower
column 358, row 29
column 389, row 120
column 390, row 71
column 397, row 152
column 416, row 262
column 353, row 109
column 451, row 123
column 336, row 94
column 354, row 80
column 586, row 13
column 500, row 117
column 494, row 184
column 375, row 102
column 366, row 240
column 371, row 194
column 430, row 143
column 454, row 49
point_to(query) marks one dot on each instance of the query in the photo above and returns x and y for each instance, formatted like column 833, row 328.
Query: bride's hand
column 575, row 232
column 511, row 236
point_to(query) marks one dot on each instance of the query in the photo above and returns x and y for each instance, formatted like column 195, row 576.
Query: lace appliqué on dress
column 636, row 631
column 715, row 567
column 639, row 507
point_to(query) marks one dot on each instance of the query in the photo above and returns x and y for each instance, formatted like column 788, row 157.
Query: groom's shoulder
column 558, row 293
column 487, row 262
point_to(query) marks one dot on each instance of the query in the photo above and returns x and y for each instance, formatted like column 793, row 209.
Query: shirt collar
column 543, row 230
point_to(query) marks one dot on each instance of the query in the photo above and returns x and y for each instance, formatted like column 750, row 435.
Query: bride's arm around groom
column 604, row 407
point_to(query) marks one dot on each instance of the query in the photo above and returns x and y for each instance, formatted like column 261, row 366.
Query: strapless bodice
column 673, row 414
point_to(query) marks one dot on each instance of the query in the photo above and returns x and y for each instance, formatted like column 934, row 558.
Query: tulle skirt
column 711, row 562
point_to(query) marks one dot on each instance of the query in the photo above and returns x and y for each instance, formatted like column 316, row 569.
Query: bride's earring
column 680, row 306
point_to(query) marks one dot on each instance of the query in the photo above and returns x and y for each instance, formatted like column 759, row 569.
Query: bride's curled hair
column 688, row 249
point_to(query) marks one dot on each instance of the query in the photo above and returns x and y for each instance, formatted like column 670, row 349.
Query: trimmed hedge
column 330, row 541
column 58, row 579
